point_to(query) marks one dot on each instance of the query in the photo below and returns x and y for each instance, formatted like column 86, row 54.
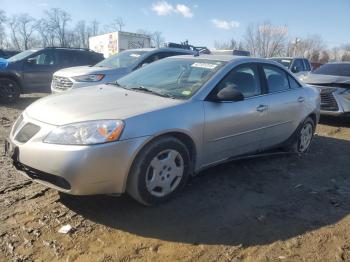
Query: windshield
column 21, row 55
column 123, row 59
column 333, row 70
column 284, row 62
column 178, row 78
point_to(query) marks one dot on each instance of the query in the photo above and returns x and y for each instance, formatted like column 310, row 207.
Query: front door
column 38, row 71
column 236, row 128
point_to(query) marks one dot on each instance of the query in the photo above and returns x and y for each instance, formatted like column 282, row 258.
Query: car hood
column 329, row 80
column 86, row 70
column 94, row 103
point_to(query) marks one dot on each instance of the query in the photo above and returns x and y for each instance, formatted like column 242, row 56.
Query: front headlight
column 346, row 94
column 89, row 78
column 86, row 133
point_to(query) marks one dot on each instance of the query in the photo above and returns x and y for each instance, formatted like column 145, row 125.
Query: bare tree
column 157, row 39
column 346, row 56
column 266, row 40
column 3, row 19
column 226, row 45
column 81, row 34
column 57, row 20
column 23, row 27
column 117, row 24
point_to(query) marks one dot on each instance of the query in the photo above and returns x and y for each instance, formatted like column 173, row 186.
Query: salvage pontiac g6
column 148, row 132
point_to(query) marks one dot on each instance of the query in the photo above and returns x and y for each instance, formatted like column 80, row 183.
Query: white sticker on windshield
column 204, row 65
column 135, row 55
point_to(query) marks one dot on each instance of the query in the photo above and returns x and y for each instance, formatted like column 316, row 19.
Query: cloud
column 225, row 24
column 184, row 10
column 163, row 8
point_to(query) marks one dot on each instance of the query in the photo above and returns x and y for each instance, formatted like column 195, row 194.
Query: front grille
column 61, row 83
column 328, row 102
column 27, row 132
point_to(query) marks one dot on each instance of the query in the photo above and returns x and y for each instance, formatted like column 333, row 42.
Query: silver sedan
column 151, row 130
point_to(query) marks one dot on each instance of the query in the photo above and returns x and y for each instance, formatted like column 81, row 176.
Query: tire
column 159, row 171
column 9, row 90
column 303, row 137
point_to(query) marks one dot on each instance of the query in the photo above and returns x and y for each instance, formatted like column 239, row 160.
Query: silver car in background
column 148, row 132
column 110, row 69
column 333, row 81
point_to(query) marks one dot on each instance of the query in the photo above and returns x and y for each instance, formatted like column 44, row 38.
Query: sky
column 203, row 22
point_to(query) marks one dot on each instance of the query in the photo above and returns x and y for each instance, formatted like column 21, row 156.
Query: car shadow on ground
column 340, row 121
column 250, row 202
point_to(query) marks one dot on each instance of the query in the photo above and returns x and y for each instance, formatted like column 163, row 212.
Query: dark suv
column 31, row 71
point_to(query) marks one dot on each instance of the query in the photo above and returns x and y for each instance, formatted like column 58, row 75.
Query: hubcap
column 305, row 137
column 164, row 173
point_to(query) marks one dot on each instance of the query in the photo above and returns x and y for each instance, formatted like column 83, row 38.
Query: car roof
column 223, row 58
column 286, row 57
column 162, row 49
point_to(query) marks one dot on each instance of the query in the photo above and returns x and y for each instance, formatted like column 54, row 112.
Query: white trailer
column 115, row 42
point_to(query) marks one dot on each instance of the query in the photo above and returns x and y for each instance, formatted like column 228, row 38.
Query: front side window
column 45, row 58
column 244, row 79
column 298, row 65
column 307, row 65
column 179, row 78
column 276, row 79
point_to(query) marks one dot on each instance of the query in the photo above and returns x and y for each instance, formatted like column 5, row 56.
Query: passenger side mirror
column 144, row 64
column 295, row 69
column 31, row 61
column 229, row 93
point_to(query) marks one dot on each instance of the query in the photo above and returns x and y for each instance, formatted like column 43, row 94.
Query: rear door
column 236, row 128
column 37, row 75
column 286, row 105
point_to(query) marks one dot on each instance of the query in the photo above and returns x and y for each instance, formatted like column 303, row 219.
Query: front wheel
column 9, row 90
column 159, row 172
column 303, row 137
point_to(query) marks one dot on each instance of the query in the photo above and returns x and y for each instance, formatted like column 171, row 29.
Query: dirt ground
column 284, row 208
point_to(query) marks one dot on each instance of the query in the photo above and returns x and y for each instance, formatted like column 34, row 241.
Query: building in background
column 115, row 42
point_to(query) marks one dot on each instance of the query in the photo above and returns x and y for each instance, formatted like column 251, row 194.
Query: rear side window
column 276, row 79
column 245, row 79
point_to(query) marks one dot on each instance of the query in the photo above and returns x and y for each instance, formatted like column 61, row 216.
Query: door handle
column 261, row 108
column 301, row 99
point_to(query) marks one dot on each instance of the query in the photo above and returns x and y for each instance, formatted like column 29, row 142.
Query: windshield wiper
column 145, row 89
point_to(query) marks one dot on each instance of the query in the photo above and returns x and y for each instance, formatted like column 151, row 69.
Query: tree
column 266, row 40
column 157, row 39
column 227, row 45
column 57, row 21
column 117, row 24
column 22, row 27
column 346, row 56
column 3, row 19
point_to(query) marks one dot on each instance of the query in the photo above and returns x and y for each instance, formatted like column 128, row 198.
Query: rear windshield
column 333, row 70
column 21, row 55
column 284, row 62
column 123, row 59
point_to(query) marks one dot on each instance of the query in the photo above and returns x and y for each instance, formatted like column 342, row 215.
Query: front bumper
column 333, row 103
column 77, row 170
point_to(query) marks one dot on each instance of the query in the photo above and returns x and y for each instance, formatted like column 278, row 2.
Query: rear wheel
column 9, row 90
column 303, row 137
column 159, row 172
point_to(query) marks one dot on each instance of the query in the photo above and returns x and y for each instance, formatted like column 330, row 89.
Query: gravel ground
column 285, row 208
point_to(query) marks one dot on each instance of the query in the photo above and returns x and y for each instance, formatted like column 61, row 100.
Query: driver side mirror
column 31, row 61
column 144, row 64
column 229, row 94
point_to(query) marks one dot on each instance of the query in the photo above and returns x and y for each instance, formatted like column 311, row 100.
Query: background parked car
column 333, row 81
column 32, row 70
column 298, row 66
column 7, row 53
column 110, row 69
